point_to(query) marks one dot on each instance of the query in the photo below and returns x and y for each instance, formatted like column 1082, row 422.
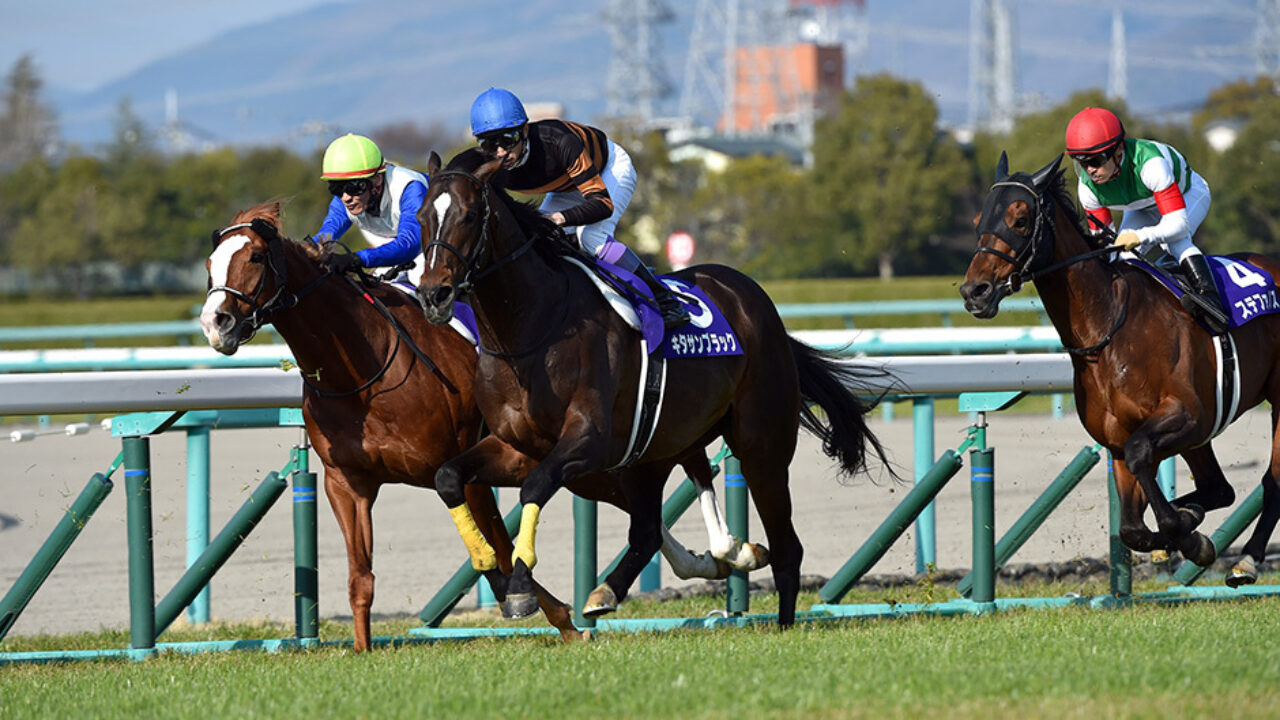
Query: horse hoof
column 1242, row 573
column 1198, row 549
column 601, row 601
column 518, row 606
column 1159, row 557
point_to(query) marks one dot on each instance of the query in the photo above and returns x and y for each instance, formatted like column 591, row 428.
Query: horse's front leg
column 643, row 488
column 1134, row 532
column 506, row 466
column 578, row 453
column 1159, row 437
column 480, row 459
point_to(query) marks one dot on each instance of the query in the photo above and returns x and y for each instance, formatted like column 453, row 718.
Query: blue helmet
column 496, row 109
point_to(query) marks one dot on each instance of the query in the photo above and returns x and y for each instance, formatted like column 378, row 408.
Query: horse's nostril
column 441, row 295
column 223, row 321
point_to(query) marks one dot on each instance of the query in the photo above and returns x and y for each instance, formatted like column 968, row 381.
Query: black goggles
column 505, row 139
column 1094, row 160
column 353, row 188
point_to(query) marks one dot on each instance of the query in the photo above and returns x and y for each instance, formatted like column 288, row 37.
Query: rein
column 283, row 300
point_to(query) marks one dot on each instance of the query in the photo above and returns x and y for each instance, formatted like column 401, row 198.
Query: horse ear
column 433, row 163
column 1002, row 167
column 486, row 171
column 1045, row 173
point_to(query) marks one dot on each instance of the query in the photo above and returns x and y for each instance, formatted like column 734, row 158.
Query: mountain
column 301, row 79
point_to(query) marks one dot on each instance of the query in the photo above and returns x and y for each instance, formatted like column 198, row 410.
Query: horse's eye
column 1020, row 223
column 257, row 258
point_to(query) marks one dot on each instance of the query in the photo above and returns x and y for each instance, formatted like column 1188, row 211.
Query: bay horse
column 1145, row 371
column 387, row 398
column 558, row 376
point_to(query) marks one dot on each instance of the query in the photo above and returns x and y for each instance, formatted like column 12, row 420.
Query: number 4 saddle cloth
column 1247, row 291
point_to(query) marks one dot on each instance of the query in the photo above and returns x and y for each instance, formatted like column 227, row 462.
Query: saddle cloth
column 707, row 334
column 1247, row 291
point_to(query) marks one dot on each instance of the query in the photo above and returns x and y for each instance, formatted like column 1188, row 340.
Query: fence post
column 982, row 491
column 737, row 592
column 922, row 417
column 1121, row 560
column 306, row 571
column 585, row 519
column 142, row 581
column 198, row 454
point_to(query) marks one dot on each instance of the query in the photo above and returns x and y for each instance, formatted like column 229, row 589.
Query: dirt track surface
column 417, row 549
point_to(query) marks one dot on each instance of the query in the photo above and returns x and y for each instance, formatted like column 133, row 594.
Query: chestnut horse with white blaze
column 1146, row 373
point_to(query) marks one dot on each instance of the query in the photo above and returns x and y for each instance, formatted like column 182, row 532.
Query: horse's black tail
column 836, row 387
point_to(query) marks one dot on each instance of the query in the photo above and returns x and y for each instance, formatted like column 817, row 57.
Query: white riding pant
column 619, row 176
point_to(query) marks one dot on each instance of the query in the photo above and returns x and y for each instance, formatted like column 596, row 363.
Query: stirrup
column 1203, row 309
column 673, row 318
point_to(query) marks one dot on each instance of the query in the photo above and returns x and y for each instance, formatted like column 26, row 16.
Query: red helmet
column 1093, row 130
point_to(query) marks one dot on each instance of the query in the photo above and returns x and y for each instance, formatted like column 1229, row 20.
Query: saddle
column 1247, row 291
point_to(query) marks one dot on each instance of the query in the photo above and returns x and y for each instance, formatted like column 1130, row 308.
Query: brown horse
column 558, row 378
column 1145, row 371
column 376, row 410
column 388, row 397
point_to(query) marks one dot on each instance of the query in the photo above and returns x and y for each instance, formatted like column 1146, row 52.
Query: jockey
column 379, row 198
column 1163, row 199
column 588, row 181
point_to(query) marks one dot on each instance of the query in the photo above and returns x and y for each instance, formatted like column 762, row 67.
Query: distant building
column 716, row 151
column 782, row 88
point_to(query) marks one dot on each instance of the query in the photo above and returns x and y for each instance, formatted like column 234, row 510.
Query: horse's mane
column 273, row 212
column 1056, row 187
column 527, row 216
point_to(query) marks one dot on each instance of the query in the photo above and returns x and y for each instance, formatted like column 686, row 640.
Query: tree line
column 887, row 192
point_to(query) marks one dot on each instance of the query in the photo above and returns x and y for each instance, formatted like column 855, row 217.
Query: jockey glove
column 1127, row 239
column 342, row 262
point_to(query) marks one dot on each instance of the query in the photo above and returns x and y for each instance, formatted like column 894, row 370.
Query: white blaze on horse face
column 219, row 270
column 441, row 205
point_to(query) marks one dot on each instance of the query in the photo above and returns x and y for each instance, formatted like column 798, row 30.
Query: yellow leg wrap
column 482, row 554
column 528, row 536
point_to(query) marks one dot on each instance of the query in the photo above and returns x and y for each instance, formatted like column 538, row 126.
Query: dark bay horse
column 559, row 370
column 374, row 411
column 1145, row 371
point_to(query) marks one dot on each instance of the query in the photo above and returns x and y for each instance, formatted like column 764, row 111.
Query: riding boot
column 1204, row 303
column 673, row 313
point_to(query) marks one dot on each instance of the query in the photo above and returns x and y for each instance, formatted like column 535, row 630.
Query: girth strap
column 653, row 383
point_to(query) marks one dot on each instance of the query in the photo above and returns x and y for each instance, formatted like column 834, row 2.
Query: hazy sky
column 80, row 44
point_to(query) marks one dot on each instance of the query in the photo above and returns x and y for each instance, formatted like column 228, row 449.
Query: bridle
column 260, row 312
column 1033, row 251
column 473, row 273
